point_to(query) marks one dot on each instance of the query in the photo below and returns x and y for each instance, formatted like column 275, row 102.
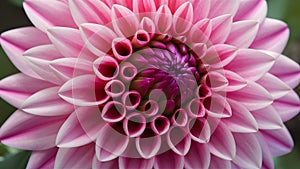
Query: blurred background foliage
column 12, row 16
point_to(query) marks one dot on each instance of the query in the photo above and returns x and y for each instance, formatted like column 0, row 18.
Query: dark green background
column 13, row 16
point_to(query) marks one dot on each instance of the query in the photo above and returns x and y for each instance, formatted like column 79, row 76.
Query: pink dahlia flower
column 150, row 84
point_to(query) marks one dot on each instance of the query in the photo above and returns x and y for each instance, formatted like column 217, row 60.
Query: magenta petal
column 169, row 160
column 77, row 157
column 272, row 35
column 252, row 10
column 12, row 44
column 134, row 124
column 280, row 141
column 44, row 15
column 216, row 163
column 241, row 120
column 199, row 130
column 248, row 151
column 113, row 111
column 267, row 158
column 47, row 103
column 112, row 164
column 287, row 106
column 30, row 132
column 179, row 140
column 287, row 70
column 126, row 163
column 197, row 157
column 222, row 143
column 17, row 88
column 42, row 159
column 91, row 11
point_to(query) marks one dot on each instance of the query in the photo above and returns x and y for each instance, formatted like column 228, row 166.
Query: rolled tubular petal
column 148, row 147
column 160, row 124
column 195, row 108
column 131, row 99
column 134, row 124
column 180, row 117
column 150, row 108
column 113, row 111
column 122, row 48
column 128, row 71
column 106, row 68
column 114, row 88
column 141, row 38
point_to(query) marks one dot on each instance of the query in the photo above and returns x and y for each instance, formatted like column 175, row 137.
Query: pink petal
column 39, row 58
column 216, row 163
column 220, row 7
column 127, row 71
column 169, row 160
column 251, row 64
column 267, row 161
column 68, row 47
column 179, row 140
column 241, row 120
column 131, row 99
column 124, row 21
column 272, row 35
column 200, row 33
column 140, row 39
column 163, row 19
column 47, row 103
column 106, row 146
column 30, row 132
column 115, row 88
column 91, row 11
column 17, row 88
column 280, row 141
column 82, row 91
column 148, row 146
column 251, row 10
column 274, row 85
column 174, row 4
column 215, row 80
column 197, row 157
column 13, row 44
column 236, row 82
column 144, row 6
column 77, row 157
column 106, row 68
column 98, row 38
column 160, row 124
column 126, row 163
column 287, row 106
column 183, row 18
column 126, row 3
column 222, row 143
column 122, row 48
column 217, row 106
column 243, row 33
column 287, row 70
column 147, row 24
column 112, row 164
column 202, row 7
column 221, row 27
column 67, row 68
column 179, row 118
column 248, row 151
column 253, row 96
column 113, row 111
column 42, row 159
column 134, row 124
column 45, row 15
column 219, row 55
column 71, row 133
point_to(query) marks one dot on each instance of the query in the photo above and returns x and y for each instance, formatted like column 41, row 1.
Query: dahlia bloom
column 150, row 84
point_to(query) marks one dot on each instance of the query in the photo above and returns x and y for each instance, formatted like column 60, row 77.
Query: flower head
column 150, row 84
